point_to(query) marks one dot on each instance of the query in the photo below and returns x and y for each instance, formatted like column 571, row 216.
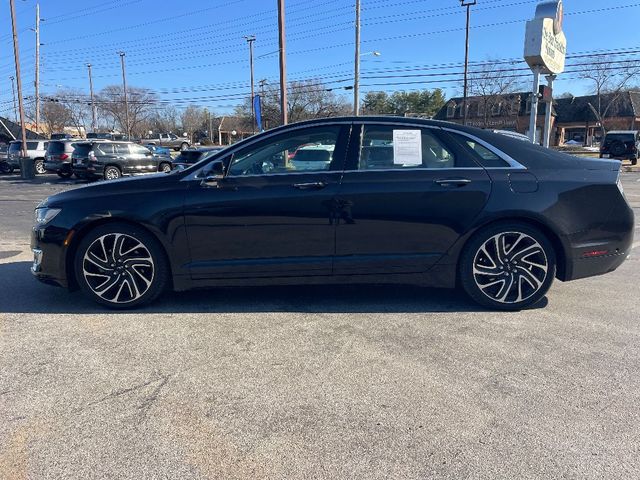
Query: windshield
column 619, row 137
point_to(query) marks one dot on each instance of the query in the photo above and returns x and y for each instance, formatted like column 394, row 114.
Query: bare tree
column 141, row 101
column 54, row 114
column 78, row 105
column 193, row 119
column 165, row 119
column 306, row 99
column 493, row 89
column 610, row 80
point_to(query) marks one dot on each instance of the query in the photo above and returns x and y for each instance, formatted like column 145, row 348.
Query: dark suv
column 58, row 157
column 621, row 144
column 111, row 160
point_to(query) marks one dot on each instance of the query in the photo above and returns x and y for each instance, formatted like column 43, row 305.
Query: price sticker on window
column 407, row 147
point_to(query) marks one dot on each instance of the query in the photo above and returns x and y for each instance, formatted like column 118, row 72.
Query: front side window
column 306, row 150
column 121, row 149
column 138, row 149
column 396, row 147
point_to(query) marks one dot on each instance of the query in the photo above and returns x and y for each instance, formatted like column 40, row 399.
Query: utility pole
column 37, row 78
column 15, row 107
column 467, row 4
column 283, row 63
column 262, row 83
column 126, row 101
column 93, row 105
column 250, row 39
column 356, row 79
column 16, row 54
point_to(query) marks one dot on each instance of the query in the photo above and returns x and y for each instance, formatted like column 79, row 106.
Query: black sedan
column 392, row 200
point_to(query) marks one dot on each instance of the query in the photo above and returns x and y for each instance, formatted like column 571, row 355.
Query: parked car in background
column 58, row 157
column 36, row 150
column 163, row 155
column 186, row 158
column 170, row 140
column 312, row 157
column 5, row 167
column 503, row 224
column 60, row 136
column 106, row 136
column 621, row 145
column 111, row 160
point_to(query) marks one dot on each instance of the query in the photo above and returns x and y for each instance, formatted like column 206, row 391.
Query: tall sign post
column 545, row 51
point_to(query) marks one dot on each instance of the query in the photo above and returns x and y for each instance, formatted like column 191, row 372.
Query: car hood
column 122, row 186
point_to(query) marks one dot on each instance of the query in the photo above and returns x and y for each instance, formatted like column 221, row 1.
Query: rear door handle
column 452, row 182
column 310, row 185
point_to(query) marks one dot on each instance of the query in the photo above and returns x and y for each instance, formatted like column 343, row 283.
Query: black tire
column 164, row 167
column 127, row 275
column 38, row 166
column 634, row 161
column 525, row 266
column 5, row 167
column 617, row 149
column 65, row 174
column 111, row 172
column 184, row 146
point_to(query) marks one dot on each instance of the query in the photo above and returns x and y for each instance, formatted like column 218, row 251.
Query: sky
column 194, row 51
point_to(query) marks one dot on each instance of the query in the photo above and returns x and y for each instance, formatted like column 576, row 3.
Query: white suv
column 36, row 150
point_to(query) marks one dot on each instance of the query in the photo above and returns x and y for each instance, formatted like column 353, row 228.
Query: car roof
column 616, row 132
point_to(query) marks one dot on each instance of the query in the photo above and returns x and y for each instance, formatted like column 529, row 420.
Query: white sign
column 545, row 45
column 407, row 147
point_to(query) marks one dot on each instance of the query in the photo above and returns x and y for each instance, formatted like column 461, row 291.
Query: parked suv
column 36, row 150
column 111, row 160
column 58, row 157
column 170, row 140
column 621, row 144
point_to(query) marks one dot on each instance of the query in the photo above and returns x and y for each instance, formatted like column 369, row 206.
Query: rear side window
column 103, row 149
column 82, row 149
column 398, row 147
column 55, row 148
column 121, row 148
column 32, row 145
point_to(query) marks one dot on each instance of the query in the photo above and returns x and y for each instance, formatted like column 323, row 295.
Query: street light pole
column 283, row 63
column 93, row 105
column 16, row 54
column 356, row 76
column 37, row 76
column 467, row 4
column 13, row 90
column 126, row 101
column 250, row 39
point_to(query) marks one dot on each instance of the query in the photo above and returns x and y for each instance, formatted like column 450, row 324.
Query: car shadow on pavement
column 21, row 293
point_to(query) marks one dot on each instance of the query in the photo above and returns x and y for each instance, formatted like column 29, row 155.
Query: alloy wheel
column 39, row 167
column 510, row 267
column 165, row 167
column 112, row 173
column 118, row 268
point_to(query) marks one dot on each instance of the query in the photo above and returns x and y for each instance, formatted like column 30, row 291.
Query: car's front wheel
column 121, row 266
column 184, row 146
column 508, row 266
column 164, row 167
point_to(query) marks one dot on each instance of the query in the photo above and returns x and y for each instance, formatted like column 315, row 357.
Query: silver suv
column 36, row 150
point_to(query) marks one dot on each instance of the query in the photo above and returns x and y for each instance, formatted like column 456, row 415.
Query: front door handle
column 310, row 185
column 452, row 182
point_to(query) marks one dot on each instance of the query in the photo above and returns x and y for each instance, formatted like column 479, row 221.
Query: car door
column 265, row 218
column 407, row 194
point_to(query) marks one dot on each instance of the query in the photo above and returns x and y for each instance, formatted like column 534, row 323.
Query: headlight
column 44, row 215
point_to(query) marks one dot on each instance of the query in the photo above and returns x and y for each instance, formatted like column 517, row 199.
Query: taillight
column 64, row 156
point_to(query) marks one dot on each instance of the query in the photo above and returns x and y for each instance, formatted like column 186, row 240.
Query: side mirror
column 215, row 173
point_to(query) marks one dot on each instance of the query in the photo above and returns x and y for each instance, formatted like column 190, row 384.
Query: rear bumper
column 603, row 249
column 64, row 167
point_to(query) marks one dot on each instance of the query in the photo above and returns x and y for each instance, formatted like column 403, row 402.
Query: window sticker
column 407, row 147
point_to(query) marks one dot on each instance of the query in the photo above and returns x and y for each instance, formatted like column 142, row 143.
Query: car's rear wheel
column 111, row 172
column 164, row 167
column 508, row 266
column 121, row 266
column 38, row 166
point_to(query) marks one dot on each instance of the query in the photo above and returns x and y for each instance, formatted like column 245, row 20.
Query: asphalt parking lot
column 314, row 382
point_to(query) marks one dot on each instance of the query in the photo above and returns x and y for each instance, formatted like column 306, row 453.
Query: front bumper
column 47, row 245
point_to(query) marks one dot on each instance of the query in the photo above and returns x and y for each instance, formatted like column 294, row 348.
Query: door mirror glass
column 214, row 172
